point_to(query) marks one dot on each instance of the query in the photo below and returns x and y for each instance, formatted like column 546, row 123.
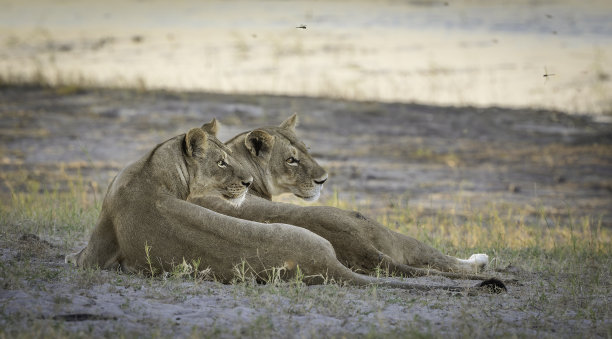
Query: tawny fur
column 359, row 242
column 146, row 207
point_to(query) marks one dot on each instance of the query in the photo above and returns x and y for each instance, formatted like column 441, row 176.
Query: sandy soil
column 103, row 303
column 430, row 157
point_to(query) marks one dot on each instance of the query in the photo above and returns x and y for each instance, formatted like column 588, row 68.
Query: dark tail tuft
column 493, row 285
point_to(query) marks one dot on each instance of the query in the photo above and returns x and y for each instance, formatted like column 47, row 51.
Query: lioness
column 281, row 163
column 147, row 224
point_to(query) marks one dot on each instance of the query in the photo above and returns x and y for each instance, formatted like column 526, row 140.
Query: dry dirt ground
column 378, row 155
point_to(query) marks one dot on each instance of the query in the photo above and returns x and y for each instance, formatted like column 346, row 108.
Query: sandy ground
column 431, row 158
column 108, row 304
column 482, row 53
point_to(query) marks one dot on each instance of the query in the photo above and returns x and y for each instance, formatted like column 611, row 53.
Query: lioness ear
column 195, row 140
column 259, row 143
column 212, row 127
column 290, row 123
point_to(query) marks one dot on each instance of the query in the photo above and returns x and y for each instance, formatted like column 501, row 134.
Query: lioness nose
column 321, row 181
column 248, row 182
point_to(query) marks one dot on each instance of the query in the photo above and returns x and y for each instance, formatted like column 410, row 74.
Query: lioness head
column 213, row 169
column 280, row 162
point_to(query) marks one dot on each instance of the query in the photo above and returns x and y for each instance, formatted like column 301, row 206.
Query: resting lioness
column 134, row 211
column 146, row 224
column 281, row 163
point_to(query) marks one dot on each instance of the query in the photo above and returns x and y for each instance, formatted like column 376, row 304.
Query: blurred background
column 520, row 54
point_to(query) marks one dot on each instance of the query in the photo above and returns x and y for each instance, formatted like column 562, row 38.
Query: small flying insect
column 301, row 26
column 546, row 74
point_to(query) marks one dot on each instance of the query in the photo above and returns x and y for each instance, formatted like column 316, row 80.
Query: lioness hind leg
column 101, row 251
column 410, row 271
column 73, row 257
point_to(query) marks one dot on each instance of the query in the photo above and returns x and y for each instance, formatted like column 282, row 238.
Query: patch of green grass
column 495, row 228
column 50, row 213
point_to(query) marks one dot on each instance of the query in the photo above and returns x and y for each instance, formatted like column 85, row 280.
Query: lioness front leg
column 190, row 232
column 359, row 242
column 222, row 242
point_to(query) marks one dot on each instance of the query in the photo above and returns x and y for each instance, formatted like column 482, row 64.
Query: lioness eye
column 293, row 161
column 222, row 164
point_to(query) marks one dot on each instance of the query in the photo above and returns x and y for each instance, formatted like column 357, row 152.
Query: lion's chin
column 236, row 201
column 311, row 198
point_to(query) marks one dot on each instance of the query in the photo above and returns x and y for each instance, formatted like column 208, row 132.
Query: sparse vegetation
column 561, row 265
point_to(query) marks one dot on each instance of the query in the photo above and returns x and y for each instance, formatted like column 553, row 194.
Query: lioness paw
column 479, row 260
column 71, row 259
column 474, row 262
